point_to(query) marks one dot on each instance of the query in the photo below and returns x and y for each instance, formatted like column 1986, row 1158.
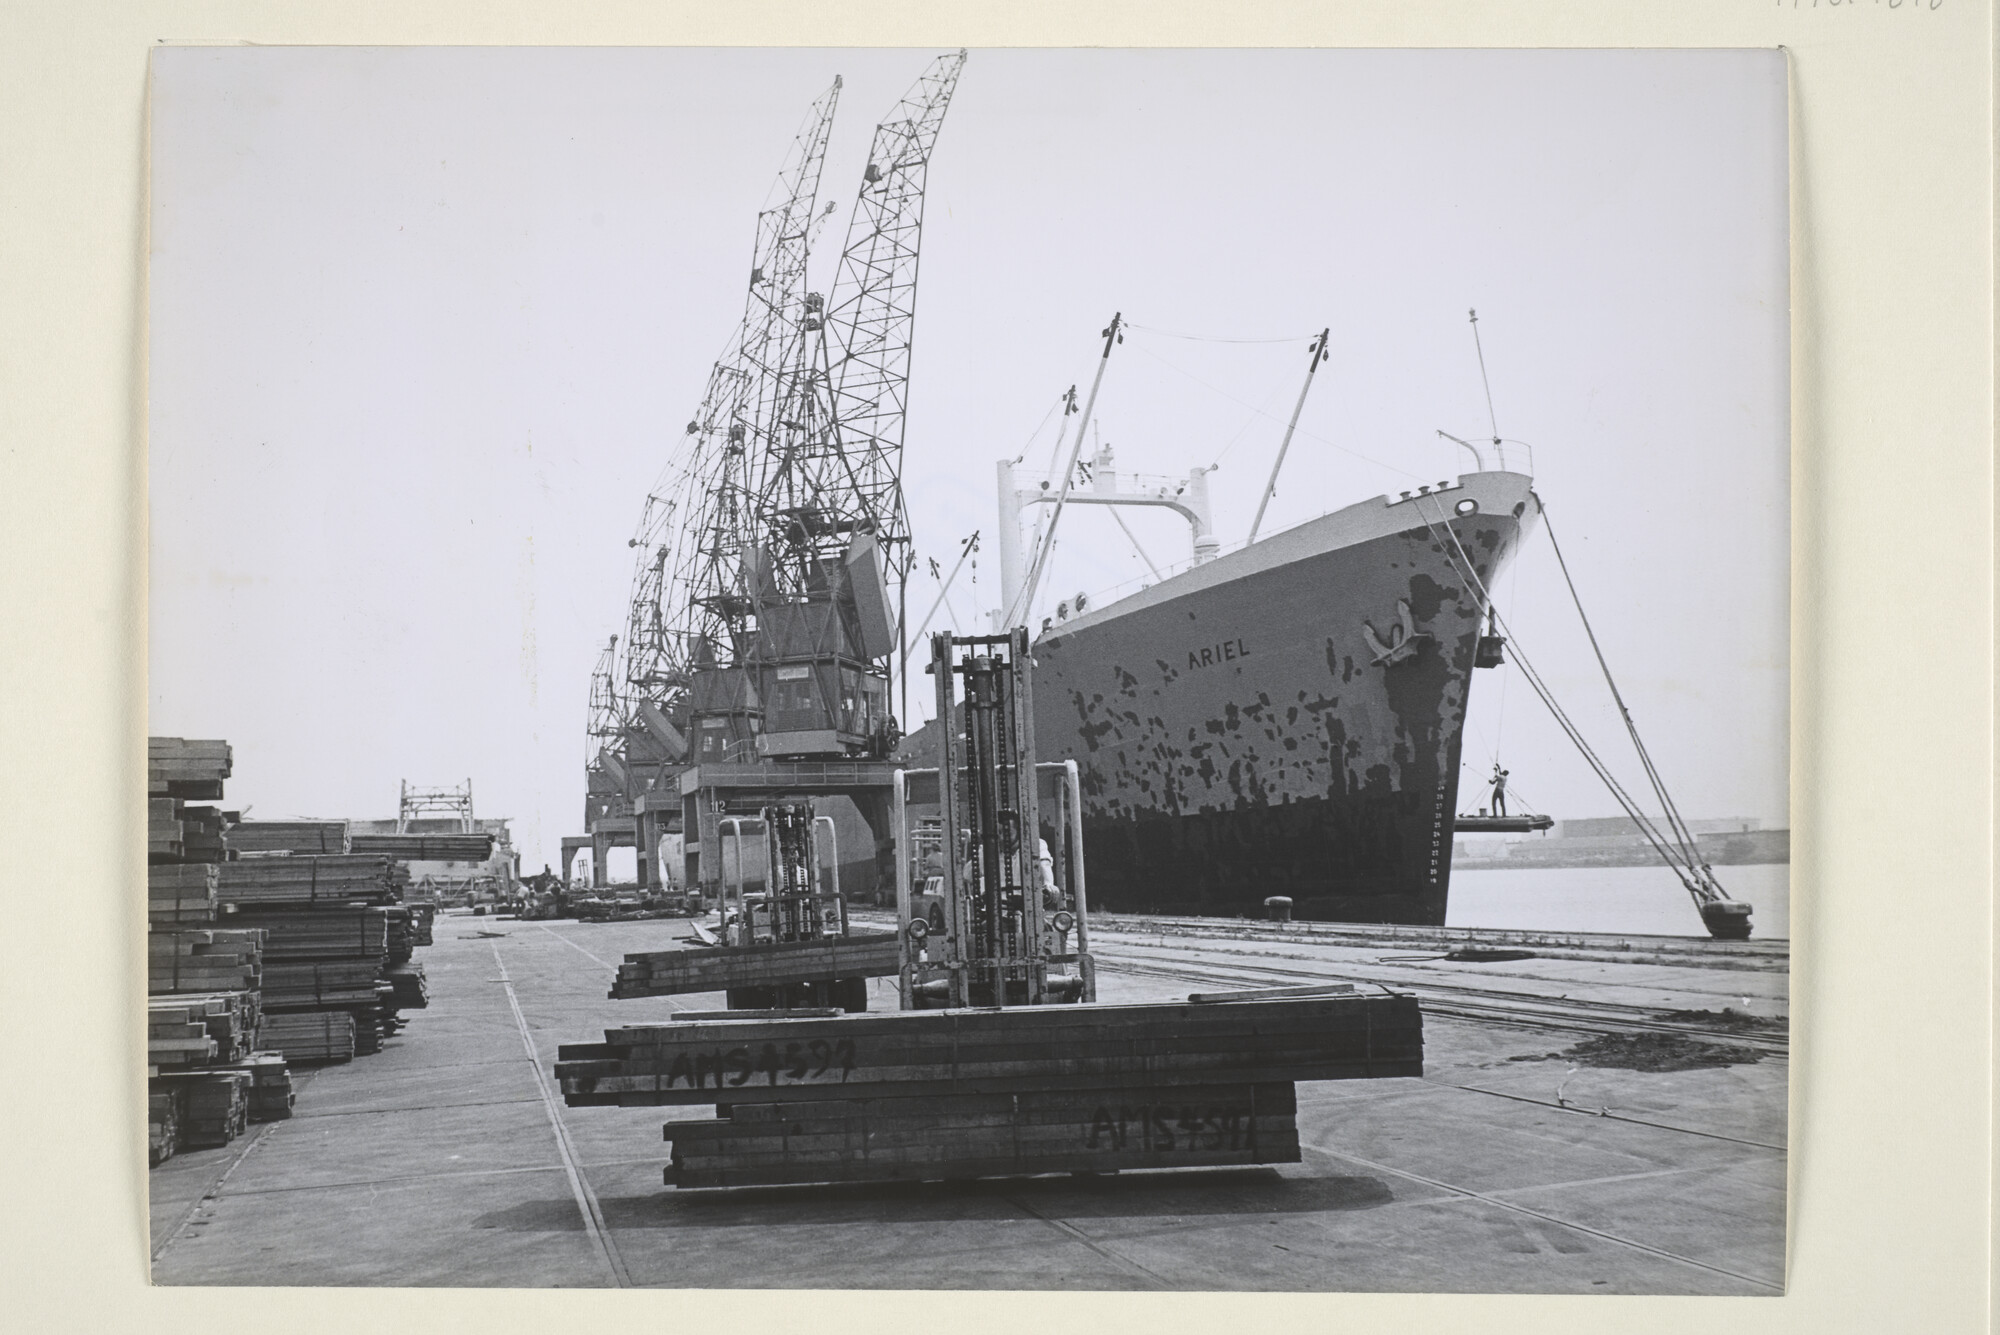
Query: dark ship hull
column 1286, row 719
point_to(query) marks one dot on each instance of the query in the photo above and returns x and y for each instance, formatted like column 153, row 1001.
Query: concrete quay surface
column 448, row 1159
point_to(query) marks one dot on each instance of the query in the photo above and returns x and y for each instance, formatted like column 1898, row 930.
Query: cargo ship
column 1285, row 719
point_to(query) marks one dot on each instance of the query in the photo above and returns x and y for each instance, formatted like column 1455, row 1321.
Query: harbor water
column 1648, row 900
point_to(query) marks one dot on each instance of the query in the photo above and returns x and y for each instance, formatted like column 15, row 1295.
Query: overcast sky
column 425, row 324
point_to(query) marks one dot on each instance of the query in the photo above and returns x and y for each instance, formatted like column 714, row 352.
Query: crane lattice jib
column 871, row 317
column 686, row 578
column 607, row 708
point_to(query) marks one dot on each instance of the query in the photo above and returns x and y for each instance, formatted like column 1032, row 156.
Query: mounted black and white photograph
column 1028, row 669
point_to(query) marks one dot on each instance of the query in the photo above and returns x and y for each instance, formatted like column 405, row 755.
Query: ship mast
column 1317, row 355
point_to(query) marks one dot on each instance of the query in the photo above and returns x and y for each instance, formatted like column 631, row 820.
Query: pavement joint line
column 213, row 1190
column 1614, row 1117
column 349, row 1184
column 586, row 1199
column 420, row 1107
column 672, row 1004
column 1557, row 1220
column 1064, row 1226
column 1616, row 1177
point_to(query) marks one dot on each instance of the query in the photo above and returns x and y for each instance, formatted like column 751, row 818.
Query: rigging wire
column 1330, row 444
column 1039, row 428
column 1208, row 338
column 1679, row 826
column 1685, row 859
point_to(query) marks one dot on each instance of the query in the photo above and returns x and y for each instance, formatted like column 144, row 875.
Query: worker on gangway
column 1499, row 782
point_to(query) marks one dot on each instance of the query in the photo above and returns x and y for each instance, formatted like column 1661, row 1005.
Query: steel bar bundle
column 668, row 972
column 986, row 1135
column 426, row 847
column 311, row 1036
column 1000, row 1051
column 181, row 893
column 288, row 836
column 204, row 961
column 307, row 881
column 969, row 1093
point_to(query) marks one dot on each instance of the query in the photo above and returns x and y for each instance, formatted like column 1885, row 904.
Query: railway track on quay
column 1522, row 1010
column 1222, row 954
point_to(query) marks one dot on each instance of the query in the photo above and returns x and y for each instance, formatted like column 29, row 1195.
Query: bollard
column 1278, row 908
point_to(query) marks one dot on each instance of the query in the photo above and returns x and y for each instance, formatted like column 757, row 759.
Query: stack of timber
column 163, row 1122
column 410, row 990
column 195, row 1029
column 288, row 836
column 271, row 1094
column 668, row 972
column 181, row 893
column 427, row 847
column 179, row 768
column 204, row 961
column 311, row 1036
column 308, row 881
column 926, row 1095
column 313, row 984
column 214, row 1105
column 176, row 832
column 359, row 932
column 401, row 935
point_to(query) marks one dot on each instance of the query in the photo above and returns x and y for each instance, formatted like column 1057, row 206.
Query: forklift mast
column 1004, row 925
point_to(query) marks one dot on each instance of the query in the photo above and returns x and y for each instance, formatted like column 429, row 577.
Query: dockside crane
column 829, row 570
column 686, row 597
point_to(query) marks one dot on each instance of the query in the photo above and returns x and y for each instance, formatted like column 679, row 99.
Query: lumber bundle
column 177, row 832
column 410, row 991
column 271, row 1094
column 289, row 836
column 311, row 1036
column 310, row 984
column 1024, row 1050
column 176, row 767
column 400, row 934
column 202, row 837
column 163, row 1122
column 668, row 972
column 375, row 1023
column 307, row 881
column 427, row 847
column 321, row 933
column 986, row 1135
column 204, row 961
column 183, row 893
column 194, row 1029
column 214, row 1105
